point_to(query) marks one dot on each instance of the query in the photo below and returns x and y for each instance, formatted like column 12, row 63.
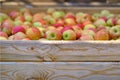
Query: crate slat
column 60, row 71
column 59, row 51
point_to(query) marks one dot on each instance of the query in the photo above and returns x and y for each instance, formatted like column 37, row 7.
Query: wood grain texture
column 60, row 71
column 59, row 51
column 42, row 7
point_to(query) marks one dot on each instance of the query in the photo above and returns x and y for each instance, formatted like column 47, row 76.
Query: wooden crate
column 60, row 60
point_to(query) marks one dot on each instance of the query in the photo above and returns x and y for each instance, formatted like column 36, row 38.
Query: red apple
column 18, row 29
column 111, row 22
column 33, row 33
column 66, row 28
column 21, row 18
column 37, row 17
column 58, row 24
column 104, row 18
column 78, row 33
column 102, row 35
column 85, row 37
column 3, row 34
column 8, row 25
column 75, row 28
column 86, row 22
column 70, row 15
column 80, row 25
column 70, row 21
column 14, row 14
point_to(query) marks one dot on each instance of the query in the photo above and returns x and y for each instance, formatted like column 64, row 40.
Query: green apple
column 69, row 35
column 114, row 32
column 53, row 34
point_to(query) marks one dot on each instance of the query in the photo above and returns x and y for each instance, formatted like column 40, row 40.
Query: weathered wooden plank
column 59, row 51
column 60, row 71
column 42, row 7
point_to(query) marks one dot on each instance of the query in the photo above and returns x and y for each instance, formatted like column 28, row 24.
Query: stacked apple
column 58, row 25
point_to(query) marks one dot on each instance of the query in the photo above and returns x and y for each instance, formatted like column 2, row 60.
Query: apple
column 114, row 32
column 18, row 22
column 37, row 24
column 28, row 17
column 100, row 22
column 3, row 34
column 66, row 28
column 43, row 22
column 53, row 34
column 50, row 10
column 59, row 28
column 11, row 37
column 69, row 35
column 42, row 30
column 62, row 13
column 19, row 36
column 57, row 14
column 80, row 25
column 70, row 15
column 93, row 29
column 25, row 39
column 111, row 22
column 95, row 16
column 78, row 33
column 70, row 21
column 80, row 19
column 75, row 28
column 118, row 22
column 80, row 14
column 111, row 16
column 50, row 28
column 8, row 25
column 21, row 18
column 60, row 21
column 26, row 23
column 101, row 27
column 37, row 17
column 90, row 32
column 58, row 25
column 14, row 14
column 52, row 21
column 33, row 33
column 18, row 29
column 3, row 17
column 105, row 13
column 47, row 17
column 2, row 38
column 88, row 26
column 104, row 18
column 85, row 37
column 86, row 22
column 88, row 17
column 102, row 35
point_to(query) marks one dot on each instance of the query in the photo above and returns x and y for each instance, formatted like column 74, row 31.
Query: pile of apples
column 59, row 25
